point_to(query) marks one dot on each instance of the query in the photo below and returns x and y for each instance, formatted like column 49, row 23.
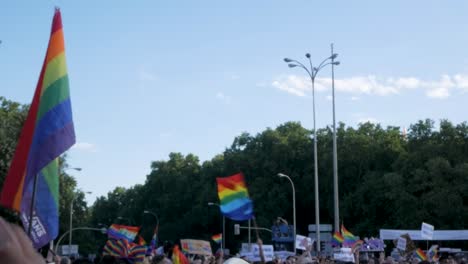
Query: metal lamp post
column 71, row 222
column 312, row 72
column 335, row 155
column 294, row 206
column 157, row 223
column 223, row 242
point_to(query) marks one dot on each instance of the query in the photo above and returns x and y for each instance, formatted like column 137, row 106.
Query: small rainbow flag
column 420, row 254
column 234, row 197
column 178, row 257
column 348, row 238
column 217, row 238
column 47, row 132
column 127, row 233
column 337, row 239
column 432, row 253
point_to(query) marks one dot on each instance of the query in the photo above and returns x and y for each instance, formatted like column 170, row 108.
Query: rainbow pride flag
column 337, row 239
column 420, row 254
column 127, row 233
column 217, row 238
column 121, row 248
column 348, row 238
column 234, row 197
column 47, row 133
column 432, row 253
column 178, row 257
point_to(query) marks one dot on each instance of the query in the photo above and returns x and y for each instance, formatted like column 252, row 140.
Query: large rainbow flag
column 47, row 133
column 234, row 198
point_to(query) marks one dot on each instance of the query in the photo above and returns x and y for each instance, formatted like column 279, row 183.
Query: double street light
column 223, row 243
column 312, row 72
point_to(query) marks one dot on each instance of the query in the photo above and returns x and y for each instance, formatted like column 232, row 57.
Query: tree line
column 387, row 179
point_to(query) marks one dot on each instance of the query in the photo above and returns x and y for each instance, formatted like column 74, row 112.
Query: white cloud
column 224, row 98
column 373, row 85
column 85, row 146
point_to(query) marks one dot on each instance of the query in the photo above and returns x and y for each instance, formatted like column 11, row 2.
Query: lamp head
column 334, row 56
column 287, row 60
column 292, row 65
column 307, row 55
column 336, row 63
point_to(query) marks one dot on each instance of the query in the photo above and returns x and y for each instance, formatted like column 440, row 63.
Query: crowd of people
column 16, row 248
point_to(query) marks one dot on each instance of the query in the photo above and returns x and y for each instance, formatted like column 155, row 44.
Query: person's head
column 291, row 260
column 65, row 260
column 160, row 259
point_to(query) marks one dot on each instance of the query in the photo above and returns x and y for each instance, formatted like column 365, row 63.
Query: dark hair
column 157, row 259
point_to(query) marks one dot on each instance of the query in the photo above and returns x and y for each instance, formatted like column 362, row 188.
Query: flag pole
column 33, row 203
column 260, row 249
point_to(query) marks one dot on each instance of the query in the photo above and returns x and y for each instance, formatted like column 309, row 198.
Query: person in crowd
column 65, row 260
column 15, row 245
column 160, row 259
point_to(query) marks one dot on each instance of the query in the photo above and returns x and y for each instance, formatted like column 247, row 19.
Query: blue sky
column 152, row 77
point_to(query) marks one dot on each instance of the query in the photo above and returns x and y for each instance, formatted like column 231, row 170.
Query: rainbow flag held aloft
column 420, row 254
column 121, row 248
column 337, row 239
column 348, row 238
column 432, row 253
column 234, row 197
column 217, row 238
column 178, row 257
column 47, row 133
column 127, row 233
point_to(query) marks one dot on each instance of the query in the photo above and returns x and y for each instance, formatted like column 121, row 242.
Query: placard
column 302, row 242
column 197, row 247
column 427, row 231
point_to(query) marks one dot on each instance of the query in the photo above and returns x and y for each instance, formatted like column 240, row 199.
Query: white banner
column 345, row 257
column 254, row 254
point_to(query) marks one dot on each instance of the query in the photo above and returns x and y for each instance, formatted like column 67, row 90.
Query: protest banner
column 427, row 231
column 254, row 253
column 197, row 247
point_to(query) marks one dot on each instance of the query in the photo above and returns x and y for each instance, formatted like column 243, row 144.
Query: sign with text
column 302, row 242
column 401, row 244
column 322, row 228
column 254, row 253
column 197, row 247
column 427, row 231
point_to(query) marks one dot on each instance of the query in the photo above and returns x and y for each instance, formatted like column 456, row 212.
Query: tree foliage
column 386, row 180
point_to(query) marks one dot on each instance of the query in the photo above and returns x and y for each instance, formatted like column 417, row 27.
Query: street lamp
column 335, row 155
column 281, row 175
column 157, row 223
column 312, row 72
column 223, row 241
column 71, row 222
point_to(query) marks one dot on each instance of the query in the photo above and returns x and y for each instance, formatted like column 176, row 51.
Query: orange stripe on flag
column 56, row 45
